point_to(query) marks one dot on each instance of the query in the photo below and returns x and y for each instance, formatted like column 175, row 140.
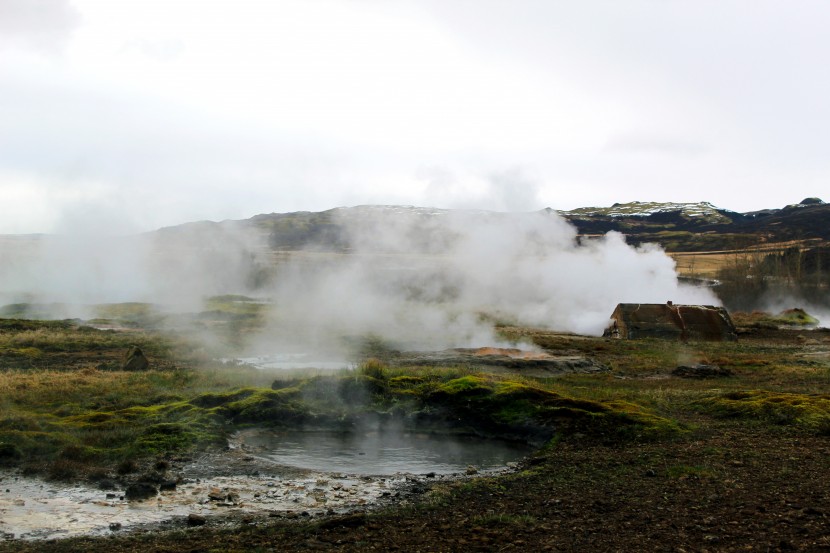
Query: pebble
column 195, row 519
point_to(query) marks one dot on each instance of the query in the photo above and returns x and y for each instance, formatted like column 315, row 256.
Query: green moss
column 94, row 419
column 497, row 403
column 788, row 318
column 265, row 406
column 405, row 381
column 466, row 386
column 796, row 317
column 164, row 438
column 213, row 399
column 811, row 412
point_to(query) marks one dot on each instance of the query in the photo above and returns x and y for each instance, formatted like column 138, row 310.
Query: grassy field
column 633, row 458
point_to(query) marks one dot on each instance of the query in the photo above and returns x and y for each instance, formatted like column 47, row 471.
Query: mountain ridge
column 676, row 226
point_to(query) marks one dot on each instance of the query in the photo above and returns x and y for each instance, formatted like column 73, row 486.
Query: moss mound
column 501, row 403
column 811, row 412
column 794, row 318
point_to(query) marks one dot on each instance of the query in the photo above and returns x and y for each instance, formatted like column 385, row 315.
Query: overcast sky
column 130, row 115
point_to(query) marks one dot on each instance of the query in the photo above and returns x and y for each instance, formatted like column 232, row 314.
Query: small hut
column 671, row 322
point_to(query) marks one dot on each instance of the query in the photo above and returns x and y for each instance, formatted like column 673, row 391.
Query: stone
column 140, row 490
column 195, row 519
column 135, row 360
column 106, row 484
column 167, row 485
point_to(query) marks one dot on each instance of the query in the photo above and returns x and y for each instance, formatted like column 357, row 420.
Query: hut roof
column 667, row 320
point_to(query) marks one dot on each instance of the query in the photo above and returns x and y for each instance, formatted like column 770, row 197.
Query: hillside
column 677, row 227
column 750, row 255
column 697, row 227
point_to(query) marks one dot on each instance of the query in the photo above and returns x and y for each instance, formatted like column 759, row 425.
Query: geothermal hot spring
column 268, row 473
column 286, row 475
column 383, row 452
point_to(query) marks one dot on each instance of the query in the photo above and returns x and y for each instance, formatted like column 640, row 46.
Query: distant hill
column 750, row 256
column 677, row 227
column 688, row 227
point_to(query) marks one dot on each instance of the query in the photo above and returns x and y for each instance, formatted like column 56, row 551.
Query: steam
column 440, row 280
column 172, row 268
column 777, row 303
column 420, row 279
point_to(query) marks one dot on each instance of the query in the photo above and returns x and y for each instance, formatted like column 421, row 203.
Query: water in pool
column 382, row 452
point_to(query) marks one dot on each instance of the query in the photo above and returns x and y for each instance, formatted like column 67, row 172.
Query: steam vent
column 671, row 322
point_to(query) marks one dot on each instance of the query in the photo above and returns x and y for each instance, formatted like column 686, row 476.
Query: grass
column 87, row 412
column 67, row 419
column 18, row 336
column 808, row 411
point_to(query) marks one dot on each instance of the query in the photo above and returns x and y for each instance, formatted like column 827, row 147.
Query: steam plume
column 419, row 278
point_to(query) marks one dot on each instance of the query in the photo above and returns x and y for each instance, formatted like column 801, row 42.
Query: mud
column 239, row 484
column 34, row 509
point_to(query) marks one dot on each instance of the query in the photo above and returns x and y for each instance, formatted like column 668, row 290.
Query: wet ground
column 262, row 474
column 35, row 509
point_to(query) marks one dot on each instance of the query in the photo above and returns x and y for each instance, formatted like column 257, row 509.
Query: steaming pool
column 263, row 473
column 283, row 361
column 383, row 452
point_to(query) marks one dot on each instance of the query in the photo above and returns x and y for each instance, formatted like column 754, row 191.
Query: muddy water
column 382, row 452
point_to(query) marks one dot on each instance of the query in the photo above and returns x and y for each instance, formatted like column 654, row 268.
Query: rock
column 701, row 371
column 106, row 484
column 135, row 360
column 140, row 490
column 114, row 526
column 167, row 485
column 194, row 519
column 471, row 470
